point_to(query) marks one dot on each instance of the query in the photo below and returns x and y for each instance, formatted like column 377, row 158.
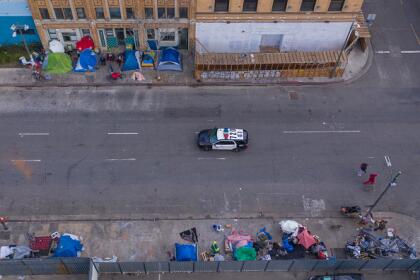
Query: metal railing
column 52, row 266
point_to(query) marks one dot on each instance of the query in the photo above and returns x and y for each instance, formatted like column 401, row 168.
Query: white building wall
column 297, row 36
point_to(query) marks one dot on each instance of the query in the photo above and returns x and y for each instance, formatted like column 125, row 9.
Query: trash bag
column 245, row 254
column 289, row 226
column 20, row 252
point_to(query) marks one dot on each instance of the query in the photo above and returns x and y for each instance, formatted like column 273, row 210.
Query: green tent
column 245, row 254
column 58, row 63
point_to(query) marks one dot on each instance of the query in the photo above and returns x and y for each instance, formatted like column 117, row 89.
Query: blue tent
column 186, row 252
column 67, row 247
column 131, row 60
column 170, row 60
column 86, row 62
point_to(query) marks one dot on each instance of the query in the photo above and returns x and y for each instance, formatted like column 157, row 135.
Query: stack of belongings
column 241, row 245
column 368, row 245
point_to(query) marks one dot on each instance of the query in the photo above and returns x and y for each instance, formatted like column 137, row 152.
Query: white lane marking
column 383, row 52
column 319, row 131
column 121, row 159
column 410, row 51
column 123, row 133
column 205, row 158
column 26, row 160
column 388, row 161
column 21, row 134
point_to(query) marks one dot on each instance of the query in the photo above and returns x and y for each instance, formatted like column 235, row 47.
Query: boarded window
column 336, row 5
column 221, row 5
column 279, row 5
column 250, row 5
column 307, row 5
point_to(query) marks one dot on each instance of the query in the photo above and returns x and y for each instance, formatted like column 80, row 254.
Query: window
column 161, row 12
column 130, row 13
column 221, row 5
column 69, row 36
column 29, row 31
column 68, row 13
column 80, row 13
column 44, row 13
column 63, row 13
column 129, row 32
column 114, row 12
column 58, row 13
column 150, row 34
column 52, row 33
column 100, row 13
column 307, row 5
column 102, row 37
column 85, row 32
column 167, row 36
column 183, row 12
column 250, row 5
column 336, row 5
column 170, row 12
column 148, row 12
column 279, row 5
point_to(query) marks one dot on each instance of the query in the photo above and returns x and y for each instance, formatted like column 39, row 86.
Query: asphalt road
column 57, row 155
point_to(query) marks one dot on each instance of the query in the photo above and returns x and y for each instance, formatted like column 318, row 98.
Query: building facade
column 215, row 25
column 16, row 12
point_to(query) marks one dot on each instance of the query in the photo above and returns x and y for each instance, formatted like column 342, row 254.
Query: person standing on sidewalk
column 371, row 181
column 363, row 168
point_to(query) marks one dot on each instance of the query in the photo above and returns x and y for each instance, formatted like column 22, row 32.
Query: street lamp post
column 18, row 28
column 390, row 184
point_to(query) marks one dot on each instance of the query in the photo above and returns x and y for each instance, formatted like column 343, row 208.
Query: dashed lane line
column 22, row 134
column 120, row 159
column 319, row 131
column 26, row 160
column 123, row 133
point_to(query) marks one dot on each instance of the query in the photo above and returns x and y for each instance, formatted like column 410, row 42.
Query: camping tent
column 305, row 238
column 85, row 43
column 86, row 62
column 131, row 60
column 185, row 252
column 57, row 61
column 170, row 60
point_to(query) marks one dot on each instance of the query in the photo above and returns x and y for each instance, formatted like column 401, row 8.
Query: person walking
column 371, row 181
column 363, row 169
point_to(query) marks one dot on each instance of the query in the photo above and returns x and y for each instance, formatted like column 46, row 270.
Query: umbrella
column 305, row 238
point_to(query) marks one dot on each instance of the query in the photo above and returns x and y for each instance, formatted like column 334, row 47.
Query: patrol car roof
column 230, row 134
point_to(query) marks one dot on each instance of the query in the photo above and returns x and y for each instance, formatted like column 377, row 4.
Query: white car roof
column 230, row 134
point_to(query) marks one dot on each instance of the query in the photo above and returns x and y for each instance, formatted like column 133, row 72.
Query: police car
column 230, row 139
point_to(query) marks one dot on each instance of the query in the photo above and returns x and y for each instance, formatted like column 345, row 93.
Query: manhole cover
column 293, row 95
column 4, row 235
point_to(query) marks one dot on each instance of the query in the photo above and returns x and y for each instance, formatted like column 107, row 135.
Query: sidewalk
column 139, row 240
column 358, row 63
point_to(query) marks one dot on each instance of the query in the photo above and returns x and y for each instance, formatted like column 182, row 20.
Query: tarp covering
column 56, row 46
column 245, row 254
column 131, row 60
column 185, row 252
column 85, row 43
column 170, row 60
column 58, row 63
column 86, row 62
column 67, row 247
column 305, row 238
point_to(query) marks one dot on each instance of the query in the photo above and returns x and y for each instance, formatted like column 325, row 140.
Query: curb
column 366, row 67
column 139, row 218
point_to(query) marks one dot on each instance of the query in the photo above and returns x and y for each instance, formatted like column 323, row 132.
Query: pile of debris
column 296, row 241
column 367, row 245
column 54, row 245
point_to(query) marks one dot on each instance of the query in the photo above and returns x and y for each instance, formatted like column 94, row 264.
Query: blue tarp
column 170, row 60
column 131, row 60
column 86, row 62
column 67, row 247
column 185, row 252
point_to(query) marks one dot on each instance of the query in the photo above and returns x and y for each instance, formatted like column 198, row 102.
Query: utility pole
column 19, row 28
column 390, row 184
